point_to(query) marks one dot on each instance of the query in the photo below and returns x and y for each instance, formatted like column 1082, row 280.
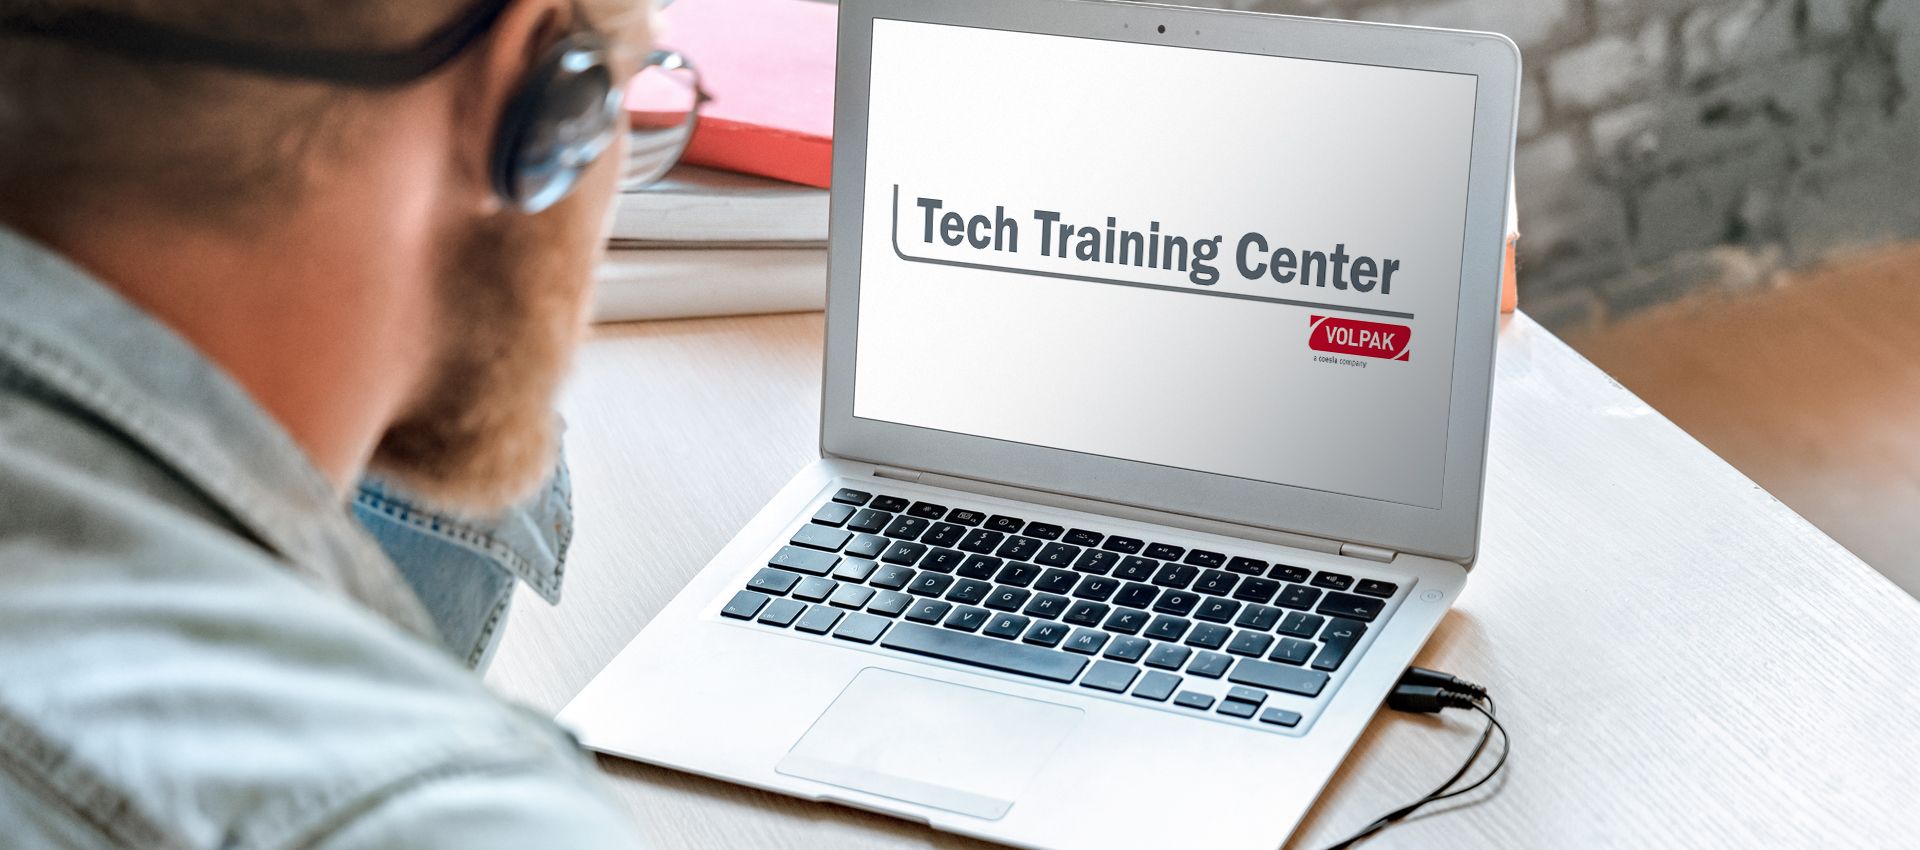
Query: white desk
column 1683, row 662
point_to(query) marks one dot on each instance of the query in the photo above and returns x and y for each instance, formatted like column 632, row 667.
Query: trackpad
column 934, row 743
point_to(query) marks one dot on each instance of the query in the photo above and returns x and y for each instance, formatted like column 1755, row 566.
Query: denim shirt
column 199, row 645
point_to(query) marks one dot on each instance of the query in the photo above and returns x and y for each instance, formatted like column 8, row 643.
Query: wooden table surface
column 1683, row 662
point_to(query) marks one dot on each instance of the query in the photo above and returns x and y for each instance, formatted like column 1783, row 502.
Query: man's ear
column 487, row 81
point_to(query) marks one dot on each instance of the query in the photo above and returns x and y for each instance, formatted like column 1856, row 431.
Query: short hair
column 205, row 141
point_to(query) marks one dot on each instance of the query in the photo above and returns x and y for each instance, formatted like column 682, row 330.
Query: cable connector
column 1427, row 699
column 1444, row 681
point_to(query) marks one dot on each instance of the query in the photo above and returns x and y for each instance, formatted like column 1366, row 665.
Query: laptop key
column 1337, row 642
column 1332, row 581
column 1169, row 656
column 819, row 620
column 1006, row 626
column 814, row 589
column 1189, row 699
column 1278, row 677
column 782, row 612
column 979, row 566
column 1248, row 695
column 1047, row 606
column 1164, row 552
column 1372, row 587
column 1176, row 576
column 929, row 584
column 869, row 521
column 1157, row 686
column 1110, row 676
column 943, row 534
column 1086, row 641
column 1047, row 634
column 906, row 527
column 1096, row 561
column 1258, row 617
column 1363, row 608
column 1005, row 524
column 927, row 510
column 1203, row 558
column 1096, row 588
column 968, row 619
column 851, row 596
column 968, row 591
column 1083, row 537
column 770, row 580
column 833, row 514
column 1215, row 609
column 861, row 628
column 1236, row 708
column 889, row 603
column 1018, row 548
column 903, row 553
column 1280, row 717
column 1301, row 625
column 1128, row 649
column 1017, row 658
column 890, row 504
column 807, row 561
column 1167, row 628
column 1056, row 580
column 1212, row 665
column 1057, row 555
column 1246, row 566
column 892, row 577
column 1127, row 621
column 867, row 546
column 1017, row 574
column 943, row 560
column 1282, row 572
column 1216, row 582
column 1291, row 651
column 1136, row 568
column 1007, row 598
column 854, row 569
column 821, row 537
column 968, row 518
column 1136, row 595
column 928, row 610
column 1085, row 613
column 1123, row 545
column 1252, row 644
column 1297, row 596
column 744, row 605
column 1176, row 602
column 850, row 496
column 1257, row 590
column 1044, row 531
column 981, row 540
column 1209, row 636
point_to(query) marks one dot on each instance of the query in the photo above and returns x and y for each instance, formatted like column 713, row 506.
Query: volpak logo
column 1352, row 336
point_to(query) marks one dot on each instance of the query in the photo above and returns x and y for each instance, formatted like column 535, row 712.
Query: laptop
column 1159, row 347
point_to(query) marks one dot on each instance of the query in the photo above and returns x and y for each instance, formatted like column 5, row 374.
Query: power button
column 1431, row 596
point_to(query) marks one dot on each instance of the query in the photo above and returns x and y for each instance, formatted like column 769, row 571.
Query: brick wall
column 1667, row 146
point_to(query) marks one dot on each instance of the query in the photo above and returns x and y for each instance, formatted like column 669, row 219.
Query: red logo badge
column 1366, row 339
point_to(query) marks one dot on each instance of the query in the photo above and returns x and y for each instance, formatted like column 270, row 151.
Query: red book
column 768, row 64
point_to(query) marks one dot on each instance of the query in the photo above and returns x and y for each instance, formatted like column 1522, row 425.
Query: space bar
column 992, row 654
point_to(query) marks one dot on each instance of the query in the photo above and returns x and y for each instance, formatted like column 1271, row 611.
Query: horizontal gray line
column 1087, row 279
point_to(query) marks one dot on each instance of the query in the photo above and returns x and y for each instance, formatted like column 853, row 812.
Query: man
column 236, row 274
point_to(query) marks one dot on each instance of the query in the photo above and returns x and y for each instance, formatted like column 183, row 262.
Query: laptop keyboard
column 1237, row 637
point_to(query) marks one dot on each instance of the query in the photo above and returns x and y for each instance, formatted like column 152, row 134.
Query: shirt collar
column 82, row 341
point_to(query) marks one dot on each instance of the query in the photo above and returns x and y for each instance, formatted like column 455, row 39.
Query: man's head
column 304, row 233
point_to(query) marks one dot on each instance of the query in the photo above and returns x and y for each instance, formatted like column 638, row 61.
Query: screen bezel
column 1450, row 531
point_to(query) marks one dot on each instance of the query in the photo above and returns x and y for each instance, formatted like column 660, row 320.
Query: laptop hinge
column 907, row 475
column 1370, row 553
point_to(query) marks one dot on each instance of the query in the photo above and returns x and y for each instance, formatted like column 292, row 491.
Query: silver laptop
column 1159, row 344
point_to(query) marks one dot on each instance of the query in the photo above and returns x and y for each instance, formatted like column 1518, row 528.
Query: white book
column 671, row 283
column 693, row 204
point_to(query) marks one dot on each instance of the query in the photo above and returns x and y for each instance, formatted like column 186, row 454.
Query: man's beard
column 513, row 295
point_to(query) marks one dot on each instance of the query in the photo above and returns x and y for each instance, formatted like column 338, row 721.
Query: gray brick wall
column 1670, row 146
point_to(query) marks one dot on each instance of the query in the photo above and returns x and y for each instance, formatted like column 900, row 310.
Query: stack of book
column 702, row 242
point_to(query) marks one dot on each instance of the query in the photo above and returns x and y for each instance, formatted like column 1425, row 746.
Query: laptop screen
column 1231, row 263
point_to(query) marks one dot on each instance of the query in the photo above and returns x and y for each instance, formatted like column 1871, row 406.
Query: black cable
column 1422, row 695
